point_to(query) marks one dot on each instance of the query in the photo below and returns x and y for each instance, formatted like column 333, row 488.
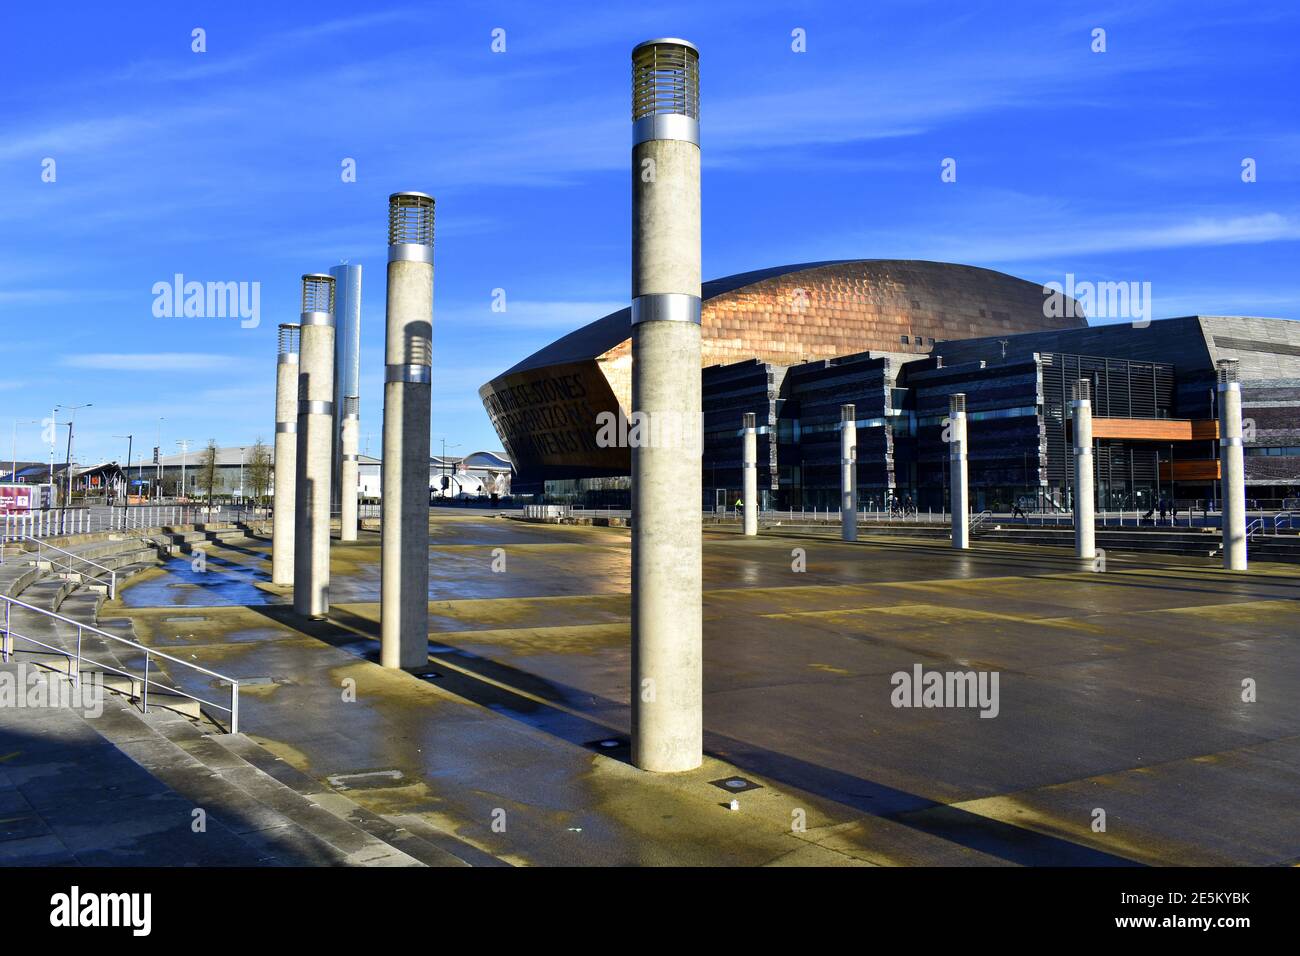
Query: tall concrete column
column 849, row 472
column 311, row 558
column 347, row 495
column 1231, row 457
column 1085, row 521
column 347, row 361
column 959, row 471
column 749, row 476
column 667, row 486
column 286, row 456
column 408, row 355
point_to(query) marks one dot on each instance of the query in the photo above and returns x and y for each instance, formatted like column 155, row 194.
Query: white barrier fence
column 57, row 522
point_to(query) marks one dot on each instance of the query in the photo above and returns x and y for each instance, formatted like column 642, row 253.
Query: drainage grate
column 736, row 784
column 366, row 779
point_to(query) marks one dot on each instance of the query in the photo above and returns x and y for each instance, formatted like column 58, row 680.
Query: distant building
column 896, row 339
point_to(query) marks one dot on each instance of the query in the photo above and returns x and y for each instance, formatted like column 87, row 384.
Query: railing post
column 144, row 693
column 234, row 707
column 76, row 680
column 4, row 646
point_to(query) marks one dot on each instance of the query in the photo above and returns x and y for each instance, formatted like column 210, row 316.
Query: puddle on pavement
column 180, row 585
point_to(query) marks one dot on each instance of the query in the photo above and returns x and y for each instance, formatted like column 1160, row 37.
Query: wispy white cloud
column 147, row 361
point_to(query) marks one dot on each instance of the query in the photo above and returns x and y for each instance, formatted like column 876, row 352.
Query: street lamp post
column 13, row 474
column 185, row 450
column 442, row 465
column 68, row 463
column 157, row 476
column 126, row 477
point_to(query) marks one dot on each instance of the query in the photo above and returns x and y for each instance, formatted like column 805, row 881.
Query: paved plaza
column 1120, row 697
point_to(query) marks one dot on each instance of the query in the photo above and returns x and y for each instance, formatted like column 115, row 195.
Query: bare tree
column 259, row 471
column 208, row 470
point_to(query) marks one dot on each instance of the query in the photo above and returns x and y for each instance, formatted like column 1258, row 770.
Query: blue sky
column 225, row 166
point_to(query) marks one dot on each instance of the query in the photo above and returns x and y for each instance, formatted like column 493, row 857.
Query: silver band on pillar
column 751, row 464
column 676, row 126
column 288, row 358
column 1081, row 403
column 286, row 428
column 316, row 318
column 956, row 453
column 351, row 457
column 315, row 408
column 1230, row 386
column 410, row 252
column 1083, row 452
column 848, row 461
column 1230, row 442
column 666, row 307
column 411, row 374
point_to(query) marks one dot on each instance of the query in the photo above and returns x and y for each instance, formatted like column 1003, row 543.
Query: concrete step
column 279, row 825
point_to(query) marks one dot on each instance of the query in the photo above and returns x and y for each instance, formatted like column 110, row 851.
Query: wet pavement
column 1119, row 692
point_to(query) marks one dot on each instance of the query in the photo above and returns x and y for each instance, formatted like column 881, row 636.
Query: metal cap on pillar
column 1228, row 372
column 957, row 403
column 317, row 299
column 410, row 227
column 1080, row 391
column 288, row 344
column 750, row 420
column 666, row 91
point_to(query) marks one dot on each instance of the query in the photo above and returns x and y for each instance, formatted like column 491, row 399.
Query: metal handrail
column 979, row 519
column 1280, row 517
column 112, row 575
column 7, row 651
column 1254, row 528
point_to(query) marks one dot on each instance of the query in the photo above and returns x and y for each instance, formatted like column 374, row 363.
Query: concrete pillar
column 311, row 559
column 408, row 355
column 667, row 487
column 958, row 468
column 349, row 436
column 849, row 472
column 1085, row 522
column 749, row 468
column 1231, row 457
column 286, row 456
column 347, row 361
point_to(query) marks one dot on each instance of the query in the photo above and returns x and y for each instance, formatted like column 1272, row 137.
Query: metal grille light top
column 410, row 227
column 289, row 335
column 666, row 91
column 1081, row 390
column 750, row 420
column 957, row 403
column 351, row 405
column 318, row 293
column 1229, row 371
